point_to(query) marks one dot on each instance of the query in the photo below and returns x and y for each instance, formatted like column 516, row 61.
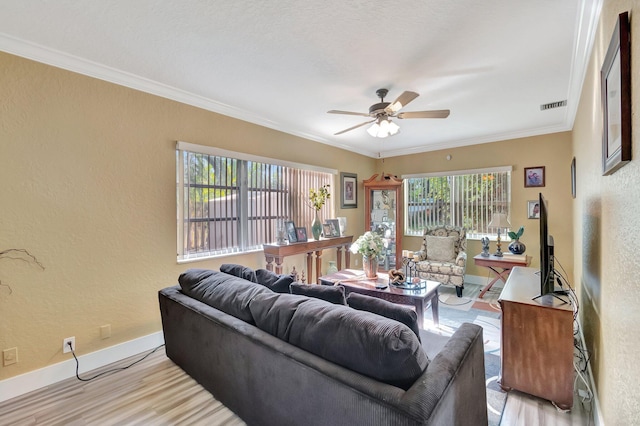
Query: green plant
column 317, row 197
column 516, row 235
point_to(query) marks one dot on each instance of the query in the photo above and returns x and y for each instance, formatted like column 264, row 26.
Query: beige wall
column 551, row 151
column 88, row 186
column 607, row 232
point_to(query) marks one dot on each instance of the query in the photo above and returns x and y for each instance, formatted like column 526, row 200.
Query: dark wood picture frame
column 301, row 235
column 349, row 191
column 615, row 85
column 290, row 226
column 534, row 177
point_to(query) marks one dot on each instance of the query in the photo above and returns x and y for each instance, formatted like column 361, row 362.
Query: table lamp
column 499, row 220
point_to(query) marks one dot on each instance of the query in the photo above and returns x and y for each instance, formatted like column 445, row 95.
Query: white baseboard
column 24, row 383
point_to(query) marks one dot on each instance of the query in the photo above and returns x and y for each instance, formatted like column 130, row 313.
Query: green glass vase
column 316, row 227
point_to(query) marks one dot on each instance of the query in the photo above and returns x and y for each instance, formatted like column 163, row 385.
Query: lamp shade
column 382, row 128
column 499, row 220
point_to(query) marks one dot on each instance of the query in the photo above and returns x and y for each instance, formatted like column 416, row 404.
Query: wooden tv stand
column 537, row 340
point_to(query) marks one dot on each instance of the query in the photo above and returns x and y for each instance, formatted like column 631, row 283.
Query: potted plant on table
column 516, row 247
column 317, row 199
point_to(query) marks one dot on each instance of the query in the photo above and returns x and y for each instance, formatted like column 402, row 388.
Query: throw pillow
column 333, row 294
column 403, row 314
column 277, row 283
column 239, row 271
column 441, row 248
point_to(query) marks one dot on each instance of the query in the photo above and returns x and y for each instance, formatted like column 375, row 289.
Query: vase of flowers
column 369, row 245
column 317, row 199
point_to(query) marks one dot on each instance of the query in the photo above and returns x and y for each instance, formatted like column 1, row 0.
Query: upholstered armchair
column 443, row 256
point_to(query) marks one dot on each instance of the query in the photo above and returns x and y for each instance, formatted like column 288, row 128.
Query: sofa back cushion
column 369, row 344
column 333, row 294
column 273, row 312
column 239, row 271
column 225, row 292
column 276, row 282
column 403, row 314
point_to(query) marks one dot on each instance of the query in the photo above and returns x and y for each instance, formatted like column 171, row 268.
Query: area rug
column 485, row 312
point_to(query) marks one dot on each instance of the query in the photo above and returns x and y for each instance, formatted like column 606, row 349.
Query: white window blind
column 230, row 202
column 463, row 198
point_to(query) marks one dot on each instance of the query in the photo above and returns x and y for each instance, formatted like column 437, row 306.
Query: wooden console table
column 279, row 252
column 501, row 266
column 537, row 340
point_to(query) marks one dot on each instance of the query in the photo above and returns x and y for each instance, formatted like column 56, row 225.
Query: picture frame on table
column 349, row 192
column 301, row 235
column 615, row 86
column 534, row 177
column 533, row 209
column 326, row 230
column 290, row 227
column 335, row 227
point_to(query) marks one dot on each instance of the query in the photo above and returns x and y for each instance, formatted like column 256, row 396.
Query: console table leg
column 318, row 265
column 310, row 267
column 279, row 264
column 269, row 260
column 339, row 257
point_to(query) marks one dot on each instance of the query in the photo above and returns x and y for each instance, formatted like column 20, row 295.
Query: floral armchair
column 443, row 256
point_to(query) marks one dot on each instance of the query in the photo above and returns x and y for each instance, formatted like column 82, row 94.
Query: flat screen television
column 547, row 274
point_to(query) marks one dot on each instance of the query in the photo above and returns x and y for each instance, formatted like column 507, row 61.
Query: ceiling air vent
column 552, row 105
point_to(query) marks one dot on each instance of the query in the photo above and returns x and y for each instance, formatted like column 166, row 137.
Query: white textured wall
column 607, row 234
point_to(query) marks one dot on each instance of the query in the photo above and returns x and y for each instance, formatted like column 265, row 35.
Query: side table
column 501, row 266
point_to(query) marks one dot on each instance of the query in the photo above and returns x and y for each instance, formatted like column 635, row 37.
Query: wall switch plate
column 65, row 346
column 105, row 331
column 9, row 356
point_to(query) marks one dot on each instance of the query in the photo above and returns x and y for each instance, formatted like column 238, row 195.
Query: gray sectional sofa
column 285, row 359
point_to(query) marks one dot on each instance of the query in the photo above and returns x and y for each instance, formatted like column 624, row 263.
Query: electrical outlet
column 65, row 344
column 357, row 261
column 105, row 331
column 9, row 356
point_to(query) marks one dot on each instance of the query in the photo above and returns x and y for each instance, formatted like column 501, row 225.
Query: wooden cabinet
column 537, row 340
column 383, row 215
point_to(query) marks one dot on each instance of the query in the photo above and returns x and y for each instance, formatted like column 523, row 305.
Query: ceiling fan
column 383, row 111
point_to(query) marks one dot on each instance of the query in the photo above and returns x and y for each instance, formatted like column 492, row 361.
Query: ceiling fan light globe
column 393, row 128
column 373, row 130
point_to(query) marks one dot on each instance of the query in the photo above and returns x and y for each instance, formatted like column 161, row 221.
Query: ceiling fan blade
column 354, row 127
column 334, row 111
column 401, row 102
column 439, row 113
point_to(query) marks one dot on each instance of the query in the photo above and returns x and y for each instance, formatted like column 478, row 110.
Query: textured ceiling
column 284, row 64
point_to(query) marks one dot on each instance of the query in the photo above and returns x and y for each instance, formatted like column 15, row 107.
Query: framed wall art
column 349, row 185
column 615, row 86
column 533, row 209
column 534, row 177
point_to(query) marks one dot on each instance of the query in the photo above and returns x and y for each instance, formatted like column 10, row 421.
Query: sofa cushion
column 441, row 248
column 333, row 294
column 273, row 312
column 225, row 292
column 239, row 271
column 276, row 282
column 403, row 314
column 370, row 344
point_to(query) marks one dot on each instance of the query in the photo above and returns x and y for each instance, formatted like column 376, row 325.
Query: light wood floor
column 157, row 392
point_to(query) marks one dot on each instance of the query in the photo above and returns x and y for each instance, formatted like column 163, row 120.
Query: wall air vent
column 552, row 105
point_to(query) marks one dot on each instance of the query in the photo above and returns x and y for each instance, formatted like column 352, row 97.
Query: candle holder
column 410, row 269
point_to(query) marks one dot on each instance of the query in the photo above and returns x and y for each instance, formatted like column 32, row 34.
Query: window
column 466, row 198
column 230, row 202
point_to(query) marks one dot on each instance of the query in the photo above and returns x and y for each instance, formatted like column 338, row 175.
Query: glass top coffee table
column 355, row 281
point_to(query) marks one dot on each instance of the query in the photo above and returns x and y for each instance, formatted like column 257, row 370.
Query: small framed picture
column 290, row 226
column 349, row 185
column 335, row 227
column 327, row 230
column 534, row 177
column 301, row 235
column 533, row 209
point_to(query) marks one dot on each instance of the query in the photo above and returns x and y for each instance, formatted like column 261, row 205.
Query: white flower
column 370, row 245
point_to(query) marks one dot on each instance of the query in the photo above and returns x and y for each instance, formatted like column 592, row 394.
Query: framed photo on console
column 335, row 227
column 326, row 230
column 615, row 86
column 290, row 226
column 301, row 235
